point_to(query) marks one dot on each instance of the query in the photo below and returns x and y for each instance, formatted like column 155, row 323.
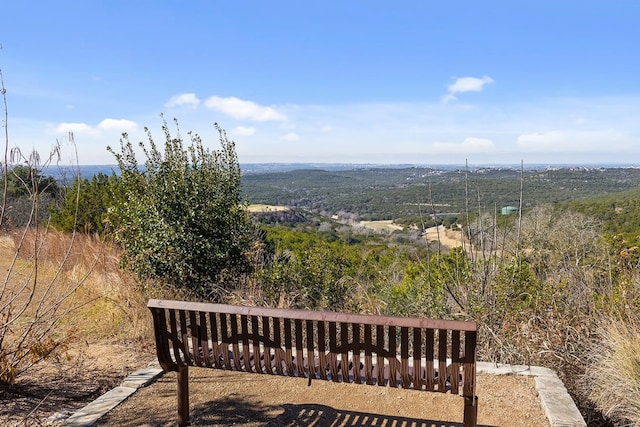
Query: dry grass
column 614, row 374
column 267, row 208
column 383, row 225
column 58, row 289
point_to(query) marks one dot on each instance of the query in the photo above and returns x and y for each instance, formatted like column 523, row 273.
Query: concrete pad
column 558, row 405
column 554, row 398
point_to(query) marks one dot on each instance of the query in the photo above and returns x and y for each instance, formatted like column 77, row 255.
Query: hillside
column 410, row 193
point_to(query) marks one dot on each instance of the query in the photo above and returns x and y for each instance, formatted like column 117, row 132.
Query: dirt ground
column 447, row 238
column 53, row 390
column 218, row 398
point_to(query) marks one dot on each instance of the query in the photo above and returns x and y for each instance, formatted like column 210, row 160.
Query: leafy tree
column 25, row 189
column 421, row 292
column 179, row 218
column 328, row 271
column 86, row 204
column 308, row 270
column 27, row 180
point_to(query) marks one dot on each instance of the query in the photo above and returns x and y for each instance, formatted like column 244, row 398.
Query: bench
column 411, row 353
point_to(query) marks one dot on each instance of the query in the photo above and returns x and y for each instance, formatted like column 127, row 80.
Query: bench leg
column 183, row 396
column 470, row 411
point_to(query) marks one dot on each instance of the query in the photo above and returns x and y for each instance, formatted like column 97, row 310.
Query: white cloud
column 106, row 125
column 121, row 125
column 327, row 128
column 558, row 141
column 183, row 99
column 466, row 84
column 468, row 146
column 76, row 128
column 291, row 137
column 244, row 110
column 244, row 130
column 478, row 144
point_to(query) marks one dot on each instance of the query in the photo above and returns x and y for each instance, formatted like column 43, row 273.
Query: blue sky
column 426, row 82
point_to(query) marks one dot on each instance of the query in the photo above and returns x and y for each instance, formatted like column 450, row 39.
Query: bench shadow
column 235, row 410
column 326, row 416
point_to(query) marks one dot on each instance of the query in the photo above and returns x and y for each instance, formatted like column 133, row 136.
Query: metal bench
column 412, row 353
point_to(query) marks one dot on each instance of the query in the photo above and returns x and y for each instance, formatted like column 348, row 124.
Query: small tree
column 85, row 205
column 179, row 218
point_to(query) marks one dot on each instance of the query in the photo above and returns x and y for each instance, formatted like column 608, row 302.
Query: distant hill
column 411, row 194
column 87, row 171
column 66, row 173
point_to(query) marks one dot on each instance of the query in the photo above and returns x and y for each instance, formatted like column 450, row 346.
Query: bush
column 180, row 219
column 85, row 205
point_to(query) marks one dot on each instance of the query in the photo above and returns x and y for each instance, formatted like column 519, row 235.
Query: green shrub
column 179, row 218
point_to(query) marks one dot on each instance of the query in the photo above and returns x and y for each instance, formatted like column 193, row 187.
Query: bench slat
column 224, row 336
column 442, row 359
column 469, row 367
column 355, row 360
column 368, row 355
column 455, row 362
column 417, row 359
column 322, row 348
column 311, row 339
column 380, row 355
column 404, row 357
column 268, row 350
column 213, row 324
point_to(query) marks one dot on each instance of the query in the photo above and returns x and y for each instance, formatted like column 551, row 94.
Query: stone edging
column 558, row 405
column 554, row 398
column 103, row 404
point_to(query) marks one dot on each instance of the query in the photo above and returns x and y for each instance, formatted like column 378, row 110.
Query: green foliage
column 307, row 270
column 516, row 286
column 330, row 270
column 28, row 193
column 420, row 293
column 25, row 181
column 86, row 204
column 619, row 213
column 179, row 218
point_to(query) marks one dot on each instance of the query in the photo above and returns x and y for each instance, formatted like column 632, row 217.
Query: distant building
column 508, row 210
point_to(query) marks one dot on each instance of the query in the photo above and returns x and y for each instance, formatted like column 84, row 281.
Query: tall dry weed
column 59, row 288
column 54, row 287
column 110, row 302
column 614, row 371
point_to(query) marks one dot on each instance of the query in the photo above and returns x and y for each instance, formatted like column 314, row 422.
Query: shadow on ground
column 325, row 416
column 239, row 412
column 220, row 398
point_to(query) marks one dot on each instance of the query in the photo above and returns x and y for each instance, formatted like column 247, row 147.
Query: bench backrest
column 413, row 353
